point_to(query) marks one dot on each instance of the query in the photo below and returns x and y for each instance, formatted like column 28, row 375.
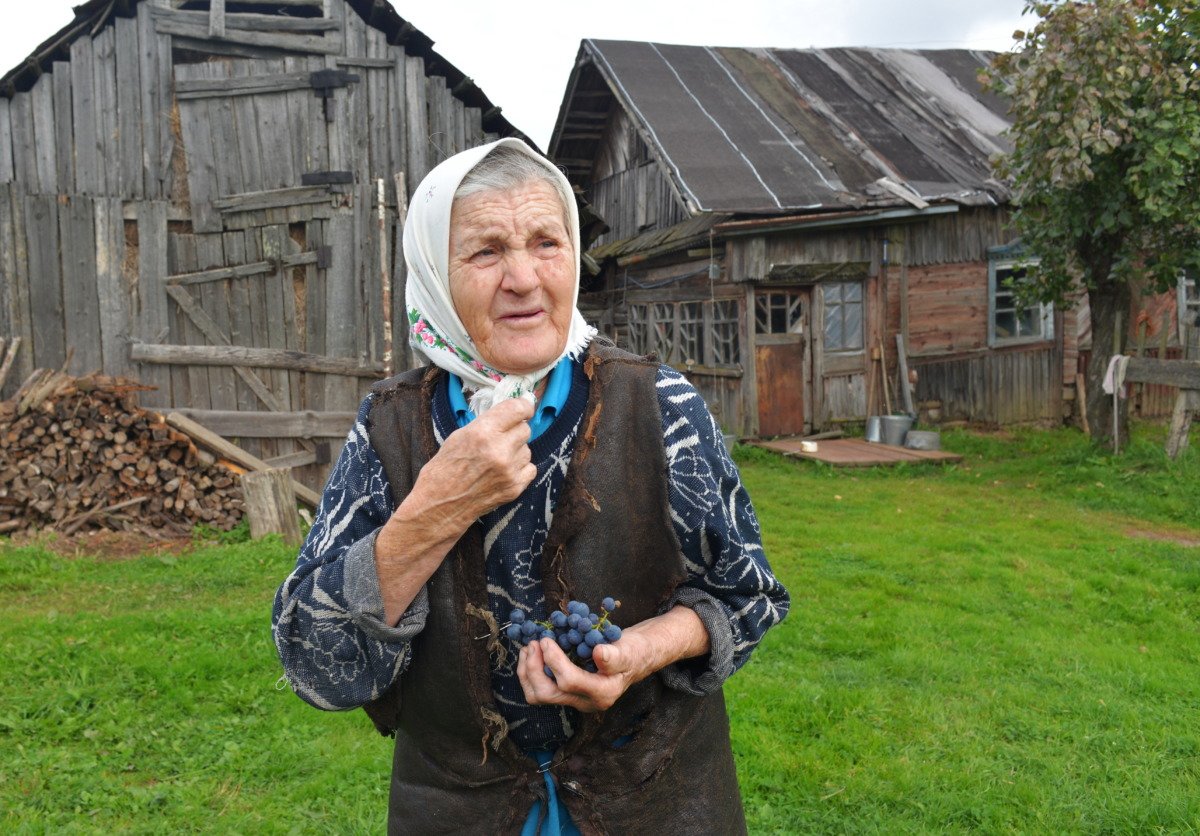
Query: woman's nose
column 520, row 273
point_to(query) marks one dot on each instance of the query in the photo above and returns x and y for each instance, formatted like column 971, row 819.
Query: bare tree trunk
column 1107, row 301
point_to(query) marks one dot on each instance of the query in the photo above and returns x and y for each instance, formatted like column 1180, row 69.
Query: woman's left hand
column 642, row 650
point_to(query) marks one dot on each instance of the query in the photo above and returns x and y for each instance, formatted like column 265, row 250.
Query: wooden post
column 271, row 505
column 905, row 383
column 1186, row 406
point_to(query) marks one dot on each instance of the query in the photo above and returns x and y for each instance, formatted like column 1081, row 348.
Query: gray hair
column 506, row 168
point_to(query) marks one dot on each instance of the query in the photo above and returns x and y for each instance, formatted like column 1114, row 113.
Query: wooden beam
column 236, row 454
column 167, row 23
column 242, row 271
column 307, row 424
column 263, row 358
column 300, row 459
column 216, row 18
column 1184, row 374
column 202, row 88
column 273, row 199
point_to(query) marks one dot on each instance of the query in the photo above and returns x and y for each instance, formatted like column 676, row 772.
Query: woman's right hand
column 478, row 468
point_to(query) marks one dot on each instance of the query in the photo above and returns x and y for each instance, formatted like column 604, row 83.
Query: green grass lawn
column 1006, row 645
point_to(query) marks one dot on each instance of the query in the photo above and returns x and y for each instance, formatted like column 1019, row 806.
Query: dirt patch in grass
column 106, row 545
column 1182, row 539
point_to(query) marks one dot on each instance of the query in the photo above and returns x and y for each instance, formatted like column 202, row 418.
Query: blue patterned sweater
column 338, row 653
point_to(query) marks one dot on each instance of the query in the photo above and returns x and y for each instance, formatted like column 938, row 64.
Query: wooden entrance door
column 781, row 357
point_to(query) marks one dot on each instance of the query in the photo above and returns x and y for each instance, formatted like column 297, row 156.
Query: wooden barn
column 777, row 218
column 202, row 195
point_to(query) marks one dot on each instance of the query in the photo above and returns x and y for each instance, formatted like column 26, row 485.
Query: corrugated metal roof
column 786, row 131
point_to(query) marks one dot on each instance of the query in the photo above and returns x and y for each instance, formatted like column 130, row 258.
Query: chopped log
column 79, row 451
column 271, row 505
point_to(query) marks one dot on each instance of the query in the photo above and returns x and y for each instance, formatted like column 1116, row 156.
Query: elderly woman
column 529, row 464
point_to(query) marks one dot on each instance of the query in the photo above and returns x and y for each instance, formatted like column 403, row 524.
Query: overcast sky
column 520, row 53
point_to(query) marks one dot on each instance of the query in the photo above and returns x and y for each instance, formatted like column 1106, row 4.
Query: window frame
column 839, row 307
column 691, row 326
column 1188, row 311
column 1045, row 310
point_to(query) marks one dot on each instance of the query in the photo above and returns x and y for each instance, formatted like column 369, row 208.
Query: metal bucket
column 874, row 433
column 895, row 427
column 923, row 440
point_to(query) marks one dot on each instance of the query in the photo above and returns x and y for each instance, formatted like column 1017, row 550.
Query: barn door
column 781, row 358
column 269, row 286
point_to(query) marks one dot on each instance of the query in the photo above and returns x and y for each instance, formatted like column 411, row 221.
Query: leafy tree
column 1105, row 164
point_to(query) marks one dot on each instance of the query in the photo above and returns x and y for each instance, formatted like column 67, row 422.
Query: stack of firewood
column 78, row 452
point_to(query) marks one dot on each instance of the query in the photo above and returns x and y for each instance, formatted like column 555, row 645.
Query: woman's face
column 512, row 275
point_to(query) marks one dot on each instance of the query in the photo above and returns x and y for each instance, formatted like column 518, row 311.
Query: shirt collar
column 558, row 386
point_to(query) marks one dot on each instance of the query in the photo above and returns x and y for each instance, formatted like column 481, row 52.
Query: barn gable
column 203, row 195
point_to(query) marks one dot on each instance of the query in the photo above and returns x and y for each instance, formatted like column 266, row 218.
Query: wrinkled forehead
column 532, row 206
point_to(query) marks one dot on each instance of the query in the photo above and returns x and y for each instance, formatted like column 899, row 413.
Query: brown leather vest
column 455, row 770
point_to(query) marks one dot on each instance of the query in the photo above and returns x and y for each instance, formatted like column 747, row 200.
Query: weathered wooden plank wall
column 947, row 307
column 633, row 201
column 994, row 387
column 111, row 184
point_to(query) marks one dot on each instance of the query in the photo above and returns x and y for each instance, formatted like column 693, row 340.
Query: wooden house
column 202, row 195
column 777, row 218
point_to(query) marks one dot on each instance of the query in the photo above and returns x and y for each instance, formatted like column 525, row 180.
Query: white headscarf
column 434, row 326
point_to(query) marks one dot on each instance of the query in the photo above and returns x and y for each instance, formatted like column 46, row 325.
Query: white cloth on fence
column 434, row 326
column 1114, row 378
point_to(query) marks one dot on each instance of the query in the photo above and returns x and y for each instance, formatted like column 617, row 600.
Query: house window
column 843, row 316
column 691, row 332
column 639, row 329
column 1189, row 314
column 1008, row 322
column 662, row 331
column 697, row 332
column 724, row 331
column 778, row 313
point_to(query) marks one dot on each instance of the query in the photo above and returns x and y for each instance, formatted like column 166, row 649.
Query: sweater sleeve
column 328, row 623
column 730, row 585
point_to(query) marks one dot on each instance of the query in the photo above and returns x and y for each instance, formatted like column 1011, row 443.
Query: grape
column 594, row 637
column 575, row 628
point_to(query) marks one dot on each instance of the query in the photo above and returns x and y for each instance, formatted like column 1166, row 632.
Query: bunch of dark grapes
column 577, row 630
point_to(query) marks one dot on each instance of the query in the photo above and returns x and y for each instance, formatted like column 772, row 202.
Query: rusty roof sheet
column 694, row 230
column 789, row 130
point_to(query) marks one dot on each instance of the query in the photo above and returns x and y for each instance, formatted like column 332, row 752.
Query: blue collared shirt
column 558, row 386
